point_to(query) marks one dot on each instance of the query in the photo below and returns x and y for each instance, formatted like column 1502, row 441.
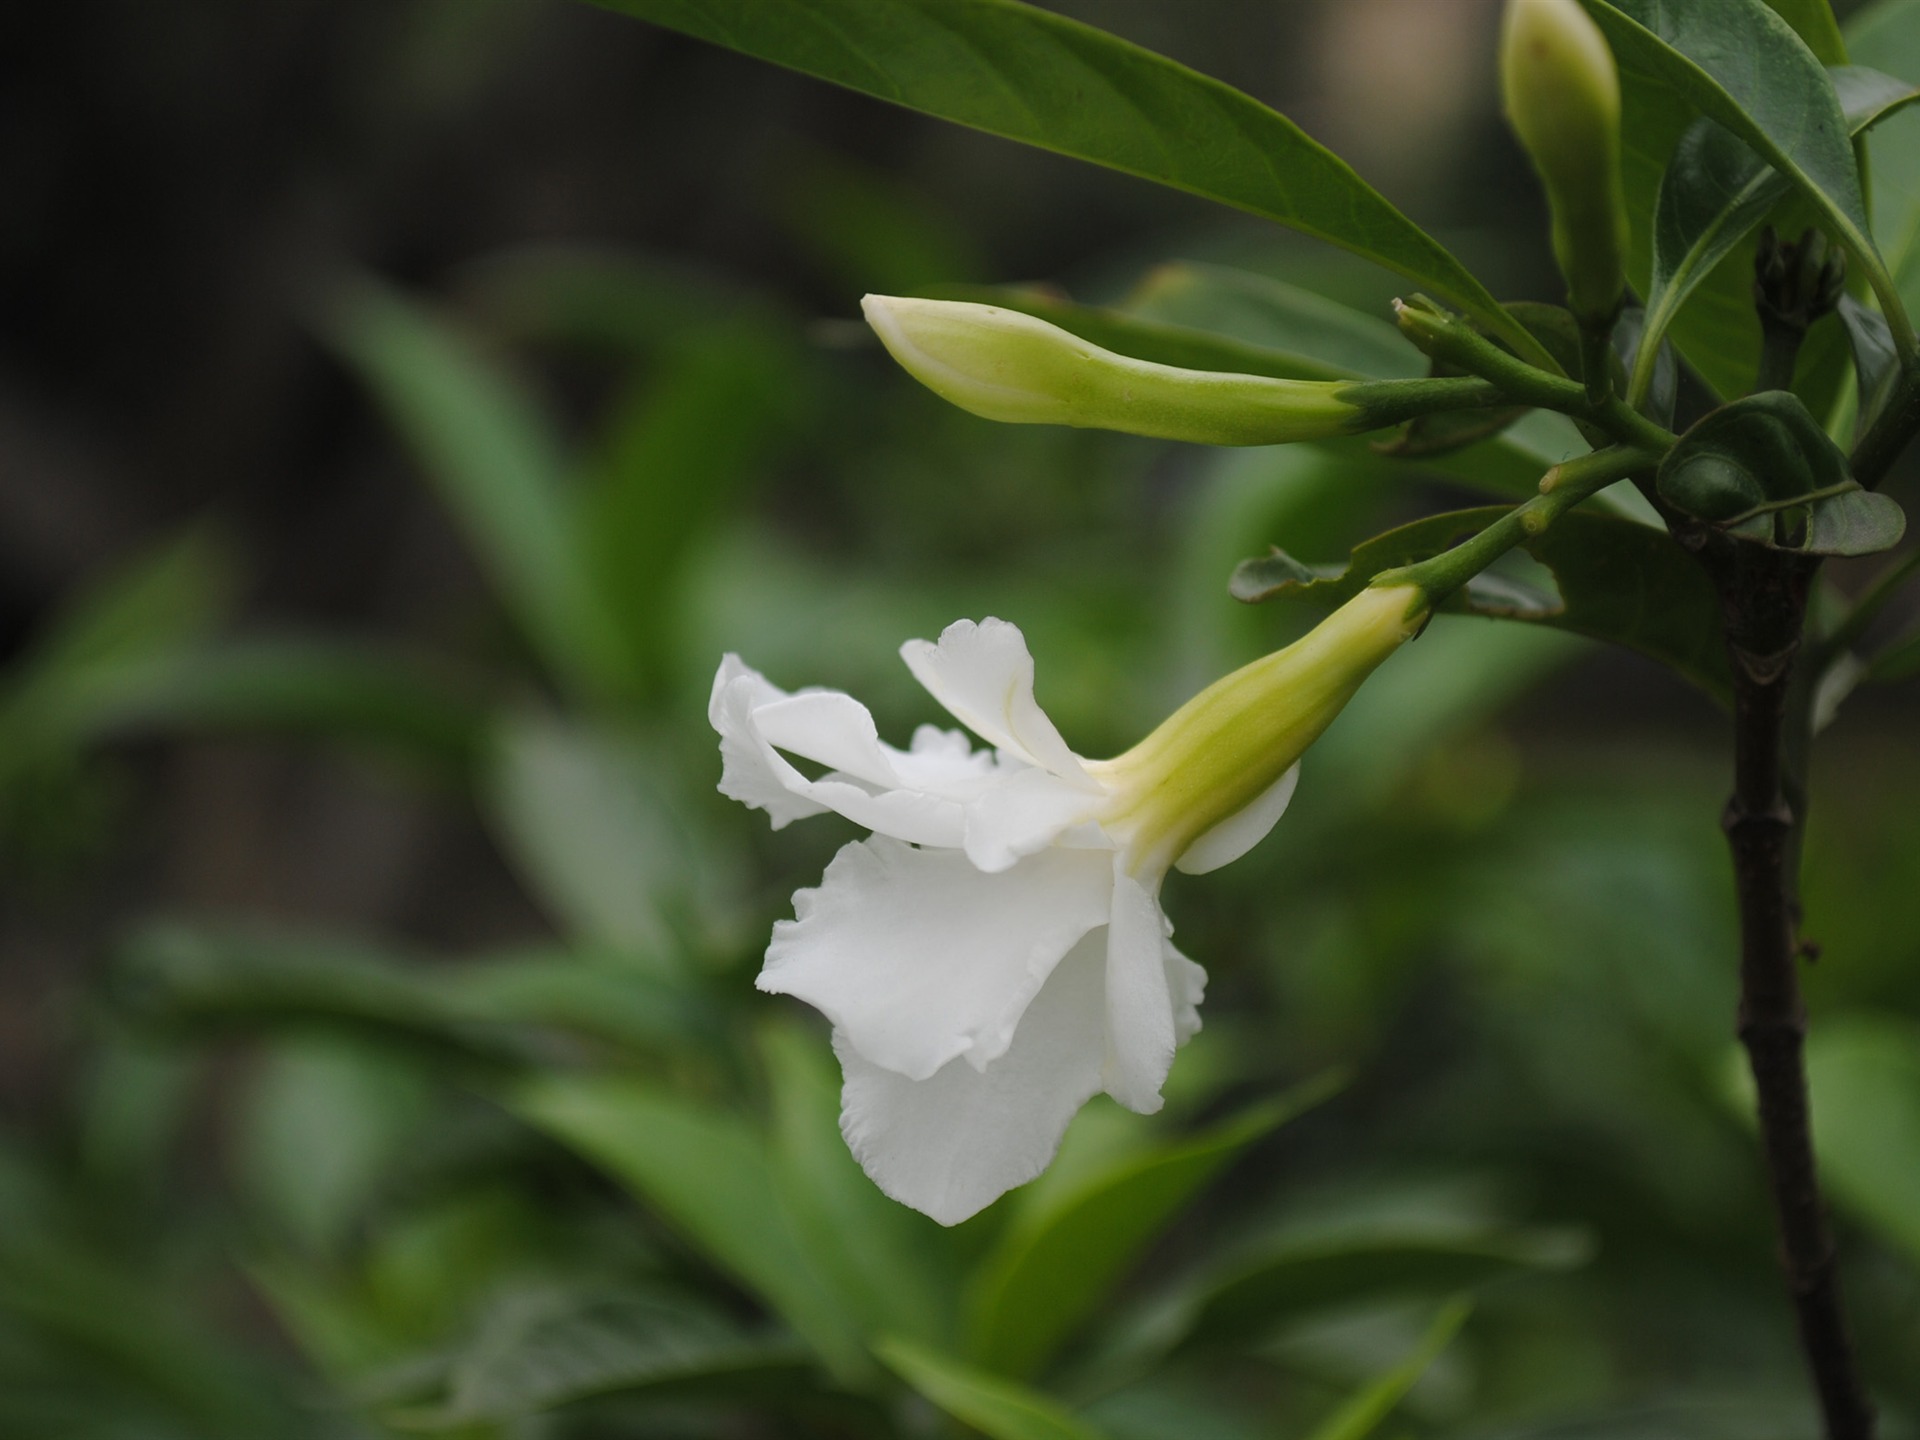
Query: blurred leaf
column 1863, row 1072
column 891, row 1266
column 1056, row 1263
column 711, row 1175
column 177, row 977
column 322, row 1123
column 1814, row 23
column 999, row 1409
column 674, row 460
column 1332, row 1265
column 1272, row 315
column 1023, row 73
column 344, row 692
column 1738, row 63
column 498, row 469
column 1616, row 580
column 541, row 1350
column 618, row 301
column 592, row 832
column 1717, row 192
column 1368, row 1410
column 1899, row 660
column 1887, row 37
column 869, row 233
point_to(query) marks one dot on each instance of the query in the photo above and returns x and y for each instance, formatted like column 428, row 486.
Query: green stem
column 1444, row 338
column 1596, row 362
column 1561, row 489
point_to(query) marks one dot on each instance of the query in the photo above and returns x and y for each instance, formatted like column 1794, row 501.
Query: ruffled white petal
column 920, row 958
column 983, row 675
column 951, row 1144
column 1141, row 1029
column 1240, row 832
column 1024, row 812
column 1187, row 984
column 752, row 771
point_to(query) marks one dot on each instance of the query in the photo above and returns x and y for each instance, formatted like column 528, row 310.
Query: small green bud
column 1563, row 99
column 1004, row 365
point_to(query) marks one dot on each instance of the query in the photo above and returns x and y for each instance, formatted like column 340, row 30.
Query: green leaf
column 1876, row 365
column 709, row 1173
column 344, row 693
column 891, row 1265
column 1054, row 1266
column 1616, row 580
column 1740, row 64
column 1863, row 1072
column 999, row 1409
column 1763, row 470
column 1024, row 73
column 1887, row 37
column 585, row 820
column 1898, row 661
column 1275, row 316
column 678, row 453
column 1717, row 192
column 497, row 467
column 539, row 1350
column 1813, row 21
column 1365, row 1412
column 1244, row 1302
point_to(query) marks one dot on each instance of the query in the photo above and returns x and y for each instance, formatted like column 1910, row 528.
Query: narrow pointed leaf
column 1367, row 1411
column 709, row 1174
column 1054, row 1267
column 1023, row 73
column 998, row 1408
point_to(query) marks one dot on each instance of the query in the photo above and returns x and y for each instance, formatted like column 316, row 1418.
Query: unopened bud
column 1005, row 365
column 1563, row 99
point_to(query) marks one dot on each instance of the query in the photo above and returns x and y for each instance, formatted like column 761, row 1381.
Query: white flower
column 995, row 954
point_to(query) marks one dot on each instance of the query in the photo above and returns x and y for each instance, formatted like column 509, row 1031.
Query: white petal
column 1141, row 1035
column 1187, row 983
column 945, row 762
column 1240, row 832
column 984, row 676
column 1021, row 814
column 919, row 957
column 752, row 771
column 830, row 728
column 951, row 1144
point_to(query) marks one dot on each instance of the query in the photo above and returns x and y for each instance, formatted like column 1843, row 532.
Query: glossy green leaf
column 1291, row 1276
column 892, row 1266
column 1614, row 580
column 536, row 1351
column 1717, row 192
column 1876, row 366
column 1863, row 1072
column 1027, row 74
column 1740, row 64
column 1763, row 470
column 1367, row 1411
column 710, row 1174
column 998, row 1408
column 1054, row 1265
column 1813, row 21
column 498, row 469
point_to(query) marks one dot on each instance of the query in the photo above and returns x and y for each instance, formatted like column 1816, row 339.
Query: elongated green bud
column 1005, row 365
column 1563, row 99
column 1219, row 752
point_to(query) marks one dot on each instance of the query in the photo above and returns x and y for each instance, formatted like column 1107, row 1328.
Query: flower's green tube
column 1563, row 98
column 1220, row 751
column 1005, row 365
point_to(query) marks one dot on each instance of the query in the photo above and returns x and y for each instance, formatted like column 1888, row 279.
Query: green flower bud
column 1223, row 749
column 1004, row 365
column 1563, row 99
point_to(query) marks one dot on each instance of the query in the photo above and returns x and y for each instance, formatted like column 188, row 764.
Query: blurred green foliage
column 1456, row 1153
